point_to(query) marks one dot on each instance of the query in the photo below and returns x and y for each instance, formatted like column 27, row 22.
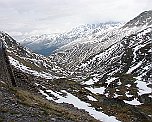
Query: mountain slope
column 123, row 72
column 130, row 57
column 74, row 53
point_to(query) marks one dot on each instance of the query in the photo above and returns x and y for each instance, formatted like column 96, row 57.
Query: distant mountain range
column 46, row 44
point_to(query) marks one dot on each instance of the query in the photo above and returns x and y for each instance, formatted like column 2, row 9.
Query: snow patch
column 143, row 88
column 150, row 96
column 91, row 81
column 96, row 90
column 71, row 99
column 119, row 83
column 134, row 67
column 128, row 85
column 128, row 95
column 133, row 102
column 91, row 98
column 111, row 80
column 116, row 95
column 136, row 49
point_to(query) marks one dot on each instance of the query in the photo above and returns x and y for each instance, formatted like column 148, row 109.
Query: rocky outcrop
column 6, row 74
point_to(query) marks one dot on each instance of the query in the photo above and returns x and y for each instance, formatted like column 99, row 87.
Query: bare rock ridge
column 5, row 67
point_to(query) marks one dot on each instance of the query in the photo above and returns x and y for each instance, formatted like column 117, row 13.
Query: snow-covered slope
column 125, row 65
column 41, row 43
column 115, row 67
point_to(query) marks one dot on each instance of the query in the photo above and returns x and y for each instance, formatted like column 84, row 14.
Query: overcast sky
column 30, row 17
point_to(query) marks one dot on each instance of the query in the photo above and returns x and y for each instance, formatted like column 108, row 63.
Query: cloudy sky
column 29, row 17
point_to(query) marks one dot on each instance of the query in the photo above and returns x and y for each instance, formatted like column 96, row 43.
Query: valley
column 99, row 72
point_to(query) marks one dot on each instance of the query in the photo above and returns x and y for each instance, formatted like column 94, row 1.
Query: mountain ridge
column 143, row 19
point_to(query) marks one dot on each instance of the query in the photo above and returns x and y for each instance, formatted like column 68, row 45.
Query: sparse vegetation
column 48, row 108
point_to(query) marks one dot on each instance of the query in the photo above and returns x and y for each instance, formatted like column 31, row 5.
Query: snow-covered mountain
column 24, row 80
column 79, row 50
column 47, row 43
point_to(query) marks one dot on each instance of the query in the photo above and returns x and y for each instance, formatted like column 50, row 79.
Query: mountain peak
column 145, row 18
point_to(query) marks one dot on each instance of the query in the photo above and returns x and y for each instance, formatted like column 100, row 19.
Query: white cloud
column 51, row 16
column 16, row 33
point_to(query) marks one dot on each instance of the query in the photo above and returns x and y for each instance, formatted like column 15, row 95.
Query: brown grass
column 50, row 108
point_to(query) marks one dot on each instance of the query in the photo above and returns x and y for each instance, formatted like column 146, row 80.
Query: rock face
column 6, row 73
